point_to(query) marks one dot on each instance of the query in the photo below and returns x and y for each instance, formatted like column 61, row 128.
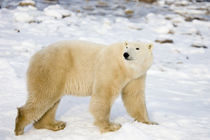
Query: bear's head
column 138, row 55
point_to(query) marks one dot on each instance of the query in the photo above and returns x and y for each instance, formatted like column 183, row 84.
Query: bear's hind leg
column 33, row 110
column 47, row 121
column 20, row 122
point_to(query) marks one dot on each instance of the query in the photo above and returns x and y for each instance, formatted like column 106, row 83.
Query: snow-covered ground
column 178, row 84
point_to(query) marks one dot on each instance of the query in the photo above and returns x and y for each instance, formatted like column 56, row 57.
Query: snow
column 178, row 83
column 56, row 11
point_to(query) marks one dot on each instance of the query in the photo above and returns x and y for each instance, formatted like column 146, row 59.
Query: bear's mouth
column 129, row 59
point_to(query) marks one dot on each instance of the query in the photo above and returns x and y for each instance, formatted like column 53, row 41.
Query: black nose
column 126, row 55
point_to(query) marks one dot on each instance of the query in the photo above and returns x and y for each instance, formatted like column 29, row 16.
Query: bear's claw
column 20, row 132
column 151, row 123
column 56, row 126
column 110, row 128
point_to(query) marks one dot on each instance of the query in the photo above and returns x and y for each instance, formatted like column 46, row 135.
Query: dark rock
column 168, row 18
column 171, row 32
column 17, row 30
column 27, row 3
column 88, row 8
column 175, row 24
column 135, row 28
column 101, row 4
column 179, row 62
column 148, row 1
column 202, row 0
column 129, row 12
column 65, row 16
column 199, row 46
column 162, row 41
column 189, row 19
column 35, row 21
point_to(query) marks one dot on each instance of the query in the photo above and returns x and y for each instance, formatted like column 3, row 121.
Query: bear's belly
column 79, row 86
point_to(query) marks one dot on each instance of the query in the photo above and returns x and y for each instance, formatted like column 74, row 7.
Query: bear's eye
column 137, row 48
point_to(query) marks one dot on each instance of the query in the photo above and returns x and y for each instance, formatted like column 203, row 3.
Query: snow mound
column 23, row 17
column 56, row 11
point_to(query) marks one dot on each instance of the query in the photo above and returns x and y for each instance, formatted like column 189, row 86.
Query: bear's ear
column 150, row 46
column 125, row 43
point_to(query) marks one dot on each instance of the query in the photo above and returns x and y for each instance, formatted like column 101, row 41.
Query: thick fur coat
column 84, row 68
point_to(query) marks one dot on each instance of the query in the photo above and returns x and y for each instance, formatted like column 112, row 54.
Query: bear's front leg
column 134, row 100
column 100, row 105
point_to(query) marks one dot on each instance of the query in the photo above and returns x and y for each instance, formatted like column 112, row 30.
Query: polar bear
column 84, row 68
